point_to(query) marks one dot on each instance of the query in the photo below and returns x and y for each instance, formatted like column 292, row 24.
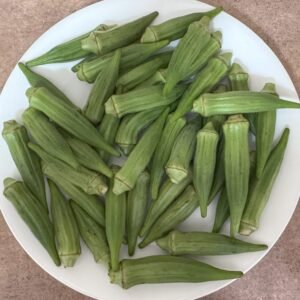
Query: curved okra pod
column 68, row 118
column 131, row 126
column 175, row 28
column 176, row 213
column 167, row 269
column 237, row 167
column 260, row 189
column 101, row 42
column 162, row 153
column 265, row 130
column 159, row 77
column 47, row 136
column 26, row 161
column 177, row 167
column 33, row 214
column 92, row 234
column 204, row 244
column 168, row 193
column 141, row 99
column 204, row 164
column 136, row 209
column 239, row 102
column 88, row 181
column 102, row 89
column 65, row 227
column 139, row 157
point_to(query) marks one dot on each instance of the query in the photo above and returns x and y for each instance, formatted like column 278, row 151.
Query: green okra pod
column 239, row 102
column 205, row 243
column 47, row 136
column 131, row 126
column 159, row 77
column 102, row 89
column 167, row 269
column 204, row 164
column 265, row 130
column 238, row 78
column 65, row 228
column 88, row 181
column 141, row 99
column 237, row 167
column 136, row 210
column 139, row 157
column 90, row 57
column 178, row 164
column 260, row 189
column 175, row 28
column 168, row 193
column 33, row 213
column 176, row 213
column 101, row 42
column 26, row 161
column 162, row 153
column 92, row 234
column 68, row 118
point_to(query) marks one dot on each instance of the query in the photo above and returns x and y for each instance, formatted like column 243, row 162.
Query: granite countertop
column 277, row 276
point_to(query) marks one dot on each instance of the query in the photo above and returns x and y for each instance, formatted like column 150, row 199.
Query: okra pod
column 204, row 164
column 65, row 227
column 131, row 126
column 239, row 102
column 90, row 57
column 168, row 193
column 175, row 28
column 159, row 77
column 141, row 99
column 204, row 244
column 33, row 213
column 260, row 189
column 102, row 42
column 238, row 78
column 176, row 213
column 26, row 161
column 139, row 157
column 47, row 136
column 178, row 164
column 237, row 167
column 68, row 118
column 92, row 234
column 167, row 269
column 136, row 210
column 89, row 181
column 163, row 151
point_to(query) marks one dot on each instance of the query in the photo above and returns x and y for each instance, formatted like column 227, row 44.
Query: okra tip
column 111, row 108
column 149, row 36
column 30, row 91
column 116, row 277
column 9, row 127
column 270, row 88
column 214, row 12
column 236, row 69
column 246, row 228
column 120, row 186
column 68, row 261
column 217, row 35
column 7, row 182
column 90, row 43
column 226, row 58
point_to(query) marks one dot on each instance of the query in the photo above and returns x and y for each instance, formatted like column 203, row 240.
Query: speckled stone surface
column 277, row 276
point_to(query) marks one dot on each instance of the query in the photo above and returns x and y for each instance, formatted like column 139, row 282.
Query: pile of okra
column 181, row 116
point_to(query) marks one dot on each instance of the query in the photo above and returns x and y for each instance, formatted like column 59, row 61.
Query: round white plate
column 248, row 49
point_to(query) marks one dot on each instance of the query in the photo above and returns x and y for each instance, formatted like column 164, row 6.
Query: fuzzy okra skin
column 260, row 189
column 101, row 42
column 177, row 167
column 65, row 227
column 68, row 118
column 168, row 193
column 33, row 214
column 237, row 167
column 205, row 243
column 47, row 136
column 139, row 157
column 204, row 164
column 92, row 234
column 141, row 99
column 167, row 269
column 136, row 210
column 26, row 161
column 102, row 89
column 176, row 213
column 175, row 28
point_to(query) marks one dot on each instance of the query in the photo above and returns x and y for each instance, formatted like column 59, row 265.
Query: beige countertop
column 277, row 276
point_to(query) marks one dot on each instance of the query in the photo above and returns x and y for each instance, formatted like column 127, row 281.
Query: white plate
column 258, row 59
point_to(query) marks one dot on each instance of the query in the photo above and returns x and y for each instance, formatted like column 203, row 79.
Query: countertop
column 277, row 276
